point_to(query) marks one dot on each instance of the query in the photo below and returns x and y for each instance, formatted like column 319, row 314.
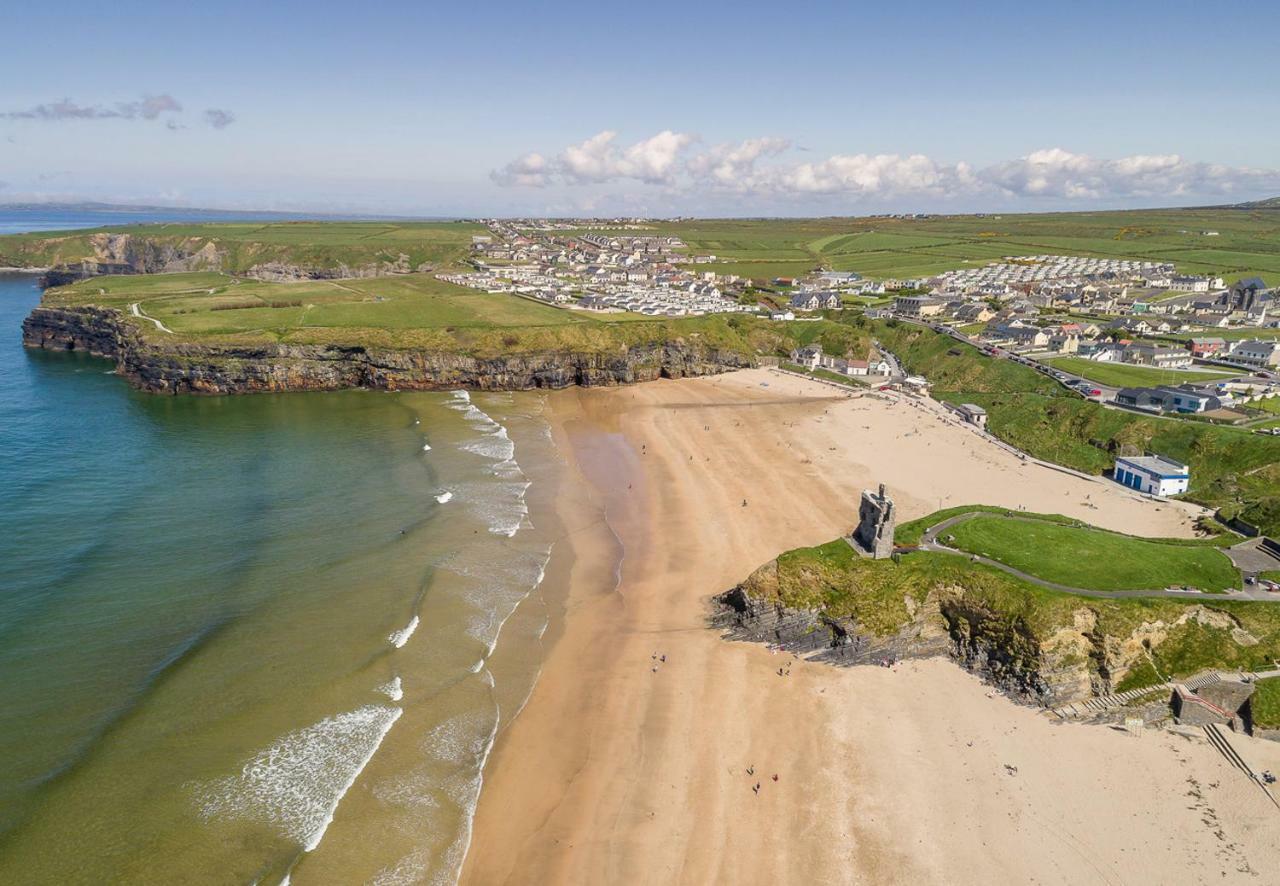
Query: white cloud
column 529, row 171
column 1058, row 173
column 600, row 159
column 734, row 165
column 756, row 168
column 864, row 174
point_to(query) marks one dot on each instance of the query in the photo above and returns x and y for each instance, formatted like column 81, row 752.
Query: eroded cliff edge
column 1041, row 647
column 182, row 367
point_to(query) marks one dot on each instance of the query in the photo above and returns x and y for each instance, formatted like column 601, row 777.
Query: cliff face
column 1071, row 661
column 179, row 368
column 129, row 254
column 283, row 272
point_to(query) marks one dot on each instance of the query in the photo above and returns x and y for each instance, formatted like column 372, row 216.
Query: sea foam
column 298, row 781
column 401, row 637
column 393, row 689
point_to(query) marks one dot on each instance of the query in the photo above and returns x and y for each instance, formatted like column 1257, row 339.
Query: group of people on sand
column 658, row 659
column 751, row 771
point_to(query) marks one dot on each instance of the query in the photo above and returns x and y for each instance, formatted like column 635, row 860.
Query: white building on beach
column 1153, row 474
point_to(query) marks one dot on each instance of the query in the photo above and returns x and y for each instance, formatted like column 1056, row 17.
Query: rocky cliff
column 1085, row 648
column 130, row 254
column 943, row 622
column 180, row 367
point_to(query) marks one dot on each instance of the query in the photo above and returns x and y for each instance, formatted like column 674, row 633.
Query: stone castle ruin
column 873, row 536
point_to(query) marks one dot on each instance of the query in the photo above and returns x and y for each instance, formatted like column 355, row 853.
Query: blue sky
column 699, row 108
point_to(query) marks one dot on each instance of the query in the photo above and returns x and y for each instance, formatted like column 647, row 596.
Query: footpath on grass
column 929, row 542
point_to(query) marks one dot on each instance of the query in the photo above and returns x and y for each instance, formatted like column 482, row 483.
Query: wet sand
column 623, row 768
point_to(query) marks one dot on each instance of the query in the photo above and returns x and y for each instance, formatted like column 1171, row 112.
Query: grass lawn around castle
column 1093, row 559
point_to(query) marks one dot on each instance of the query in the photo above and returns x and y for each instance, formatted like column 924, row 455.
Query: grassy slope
column 1121, row 375
column 833, row 579
column 910, row 533
column 1230, row 467
column 1093, row 558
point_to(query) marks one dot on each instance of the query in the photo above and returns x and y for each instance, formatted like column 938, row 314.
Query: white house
column 1263, row 354
column 1153, row 474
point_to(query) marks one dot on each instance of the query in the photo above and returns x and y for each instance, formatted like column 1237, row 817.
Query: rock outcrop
column 130, row 254
column 182, row 367
column 284, row 272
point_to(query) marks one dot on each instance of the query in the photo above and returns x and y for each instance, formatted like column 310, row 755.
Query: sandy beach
column 627, row 768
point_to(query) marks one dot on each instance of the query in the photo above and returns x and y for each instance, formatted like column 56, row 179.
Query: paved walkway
column 929, row 542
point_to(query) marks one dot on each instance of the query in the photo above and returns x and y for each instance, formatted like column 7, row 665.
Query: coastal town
column 1055, row 312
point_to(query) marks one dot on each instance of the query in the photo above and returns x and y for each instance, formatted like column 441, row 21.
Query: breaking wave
column 298, row 781
column 401, row 637
column 393, row 689
column 501, row 506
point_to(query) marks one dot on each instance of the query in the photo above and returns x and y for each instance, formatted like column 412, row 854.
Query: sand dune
column 627, row 769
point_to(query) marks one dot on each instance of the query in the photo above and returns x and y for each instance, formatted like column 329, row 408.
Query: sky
column 660, row 108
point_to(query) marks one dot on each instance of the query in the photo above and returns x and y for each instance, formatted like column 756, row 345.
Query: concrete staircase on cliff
column 1102, row 703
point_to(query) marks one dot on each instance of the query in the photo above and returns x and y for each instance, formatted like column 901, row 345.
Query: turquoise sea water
column 245, row 638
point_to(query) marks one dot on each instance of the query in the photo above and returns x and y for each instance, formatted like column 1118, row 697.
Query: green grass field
column 1121, row 375
column 1093, row 558
column 1247, row 244
column 911, row 532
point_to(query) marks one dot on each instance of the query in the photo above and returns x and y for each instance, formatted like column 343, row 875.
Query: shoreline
column 626, row 768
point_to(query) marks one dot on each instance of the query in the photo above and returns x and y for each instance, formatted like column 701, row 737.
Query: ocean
column 256, row 639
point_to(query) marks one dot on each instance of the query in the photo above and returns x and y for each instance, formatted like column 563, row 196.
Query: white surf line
column 137, row 313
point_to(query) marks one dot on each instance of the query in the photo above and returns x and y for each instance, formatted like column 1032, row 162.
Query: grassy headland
column 1036, row 628
column 416, row 311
